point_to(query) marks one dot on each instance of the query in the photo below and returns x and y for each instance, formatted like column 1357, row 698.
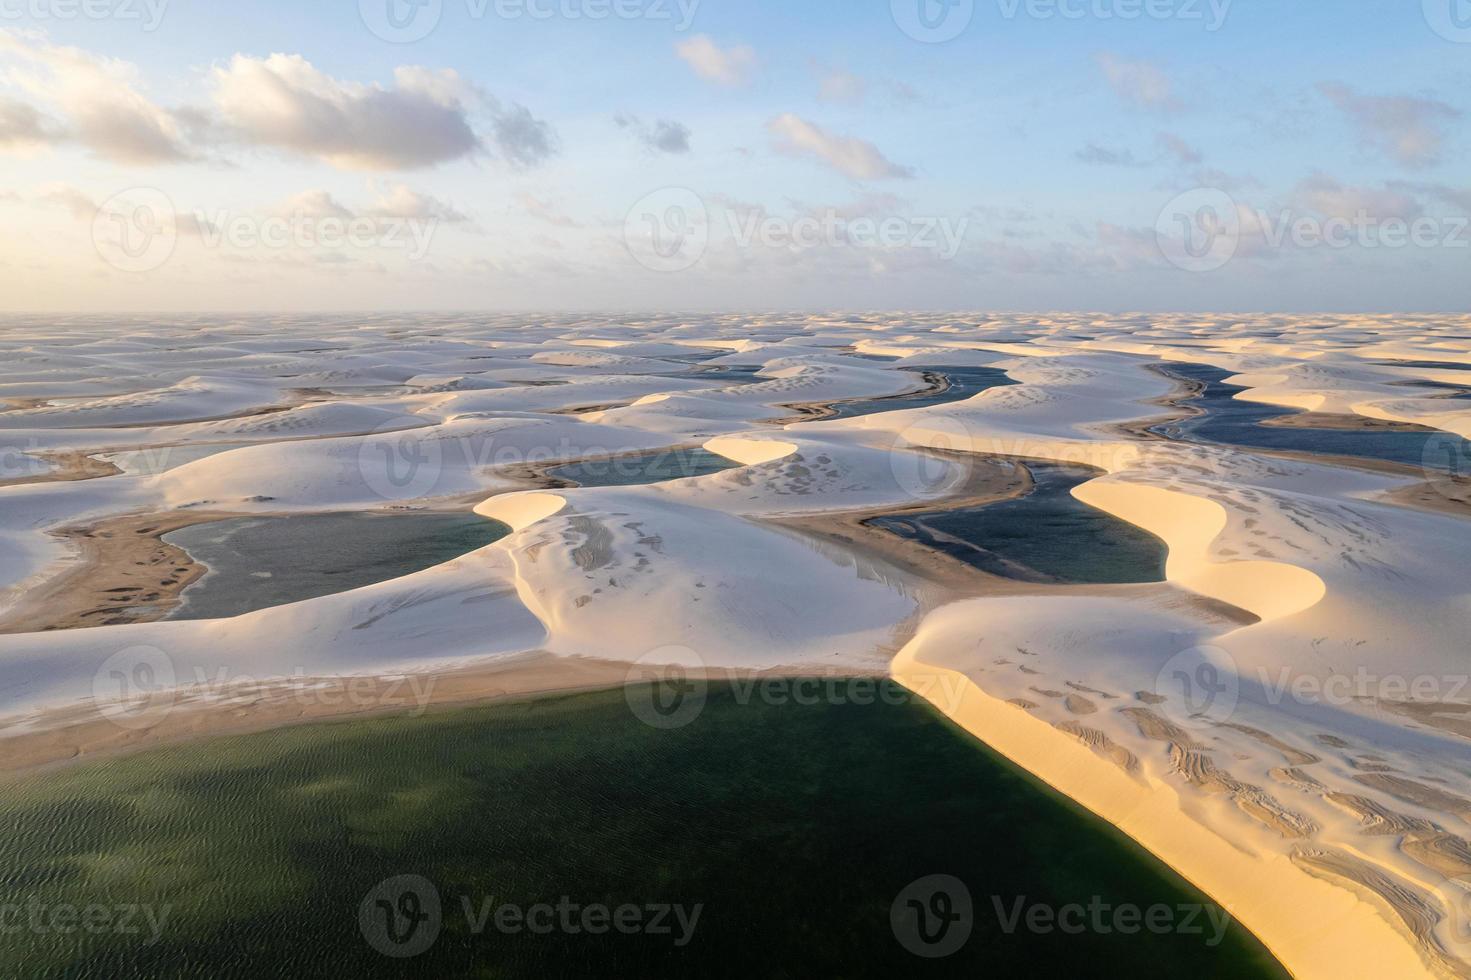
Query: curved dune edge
column 1260, row 388
column 750, row 451
column 1315, row 929
column 1188, row 524
column 521, row 510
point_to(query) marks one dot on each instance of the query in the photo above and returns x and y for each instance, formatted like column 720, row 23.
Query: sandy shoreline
column 66, row 468
column 83, row 733
column 123, row 572
column 1321, row 420
column 1445, row 493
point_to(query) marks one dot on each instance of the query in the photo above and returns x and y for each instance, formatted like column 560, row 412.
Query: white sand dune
column 1298, row 750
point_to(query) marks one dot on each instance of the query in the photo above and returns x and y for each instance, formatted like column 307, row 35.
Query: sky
column 1096, row 155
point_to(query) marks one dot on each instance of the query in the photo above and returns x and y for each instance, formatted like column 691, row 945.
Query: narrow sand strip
column 1316, row 929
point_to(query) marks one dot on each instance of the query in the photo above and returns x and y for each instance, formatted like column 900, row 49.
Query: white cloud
column 1456, row 197
column 838, row 85
column 545, row 210
column 1326, row 196
column 522, row 139
column 665, row 136
column 399, row 201
column 1176, row 147
column 854, row 157
column 402, row 202
column 97, row 97
column 1138, row 82
column 1102, row 156
column 1405, row 127
column 22, row 127
column 77, row 203
column 284, row 102
column 314, row 204
column 724, row 66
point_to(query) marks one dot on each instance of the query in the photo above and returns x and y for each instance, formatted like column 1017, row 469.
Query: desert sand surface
column 1284, row 719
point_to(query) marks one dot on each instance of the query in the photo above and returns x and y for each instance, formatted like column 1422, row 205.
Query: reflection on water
column 698, row 370
column 1431, row 365
column 1434, row 389
column 736, row 375
column 635, row 470
column 1048, row 535
column 793, row 822
column 256, row 562
column 964, row 382
column 1229, row 421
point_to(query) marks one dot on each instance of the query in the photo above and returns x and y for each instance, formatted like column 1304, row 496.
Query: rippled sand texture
column 1284, row 719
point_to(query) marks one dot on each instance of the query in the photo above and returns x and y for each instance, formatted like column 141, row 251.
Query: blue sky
column 1049, row 152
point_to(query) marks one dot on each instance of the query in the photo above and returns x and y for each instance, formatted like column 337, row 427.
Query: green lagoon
column 783, row 834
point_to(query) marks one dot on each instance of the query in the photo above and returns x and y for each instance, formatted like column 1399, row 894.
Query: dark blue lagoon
column 256, row 562
column 1227, row 420
column 736, row 374
column 1046, row 535
column 636, row 470
column 963, row 383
